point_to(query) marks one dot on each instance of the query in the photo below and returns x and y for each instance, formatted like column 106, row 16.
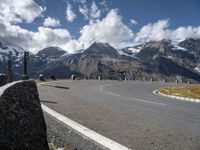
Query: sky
column 76, row 24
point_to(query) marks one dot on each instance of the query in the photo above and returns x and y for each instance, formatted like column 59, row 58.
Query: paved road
column 127, row 112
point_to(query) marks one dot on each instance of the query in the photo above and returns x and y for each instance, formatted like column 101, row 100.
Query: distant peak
column 101, row 44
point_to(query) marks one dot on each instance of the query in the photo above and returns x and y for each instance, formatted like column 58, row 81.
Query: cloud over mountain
column 110, row 29
column 27, row 23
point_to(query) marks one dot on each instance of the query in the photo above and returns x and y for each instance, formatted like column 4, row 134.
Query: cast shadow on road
column 55, row 86
column 50, row 102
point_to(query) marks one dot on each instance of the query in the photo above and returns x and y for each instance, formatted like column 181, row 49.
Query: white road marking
column 86, row 132
column 136, row 99
column 108, row 92
column 92, row 135
column 149, row 101
column 111, row 93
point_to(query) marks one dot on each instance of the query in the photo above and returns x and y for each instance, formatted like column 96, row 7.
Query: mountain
column 7, row 50
column 168, row 61
column 36, row 62
column 97, row 60
column 191, row 45
column 13, row 52
column 51, row 52
column 155, row 60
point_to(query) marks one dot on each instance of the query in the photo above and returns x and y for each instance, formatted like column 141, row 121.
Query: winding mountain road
column 127, row 112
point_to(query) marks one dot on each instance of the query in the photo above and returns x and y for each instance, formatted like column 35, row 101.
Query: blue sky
column 75, row 24
column 180, row 12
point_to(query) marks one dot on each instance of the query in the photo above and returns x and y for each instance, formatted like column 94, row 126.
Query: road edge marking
column 156, row 92
column 88, row 133
column 92, row 135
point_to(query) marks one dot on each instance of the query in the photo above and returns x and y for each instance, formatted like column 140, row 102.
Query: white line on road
column 96, row 137
column 136, row 99
column 149, row 101
column 86, row 132
column 111, row 93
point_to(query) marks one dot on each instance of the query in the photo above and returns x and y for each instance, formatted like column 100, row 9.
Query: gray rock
column 3, row 79
column 22, row 125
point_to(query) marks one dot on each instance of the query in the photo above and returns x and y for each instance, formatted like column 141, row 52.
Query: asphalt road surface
column 127, row 112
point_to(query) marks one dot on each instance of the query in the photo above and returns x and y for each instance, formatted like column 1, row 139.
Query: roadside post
column 25, row 75
column 10, row 77
column 72, row 77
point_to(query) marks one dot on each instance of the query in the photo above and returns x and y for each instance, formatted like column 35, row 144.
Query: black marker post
column 25, row 76
column 10, row 78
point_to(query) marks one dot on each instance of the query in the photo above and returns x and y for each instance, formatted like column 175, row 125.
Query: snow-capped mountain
column 157, row 60
column 52, row 52
column 8, row 50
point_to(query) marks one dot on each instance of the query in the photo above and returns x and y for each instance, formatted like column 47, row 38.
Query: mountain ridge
column 155, row 60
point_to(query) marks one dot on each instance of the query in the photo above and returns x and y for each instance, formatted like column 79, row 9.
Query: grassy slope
column 186, row 91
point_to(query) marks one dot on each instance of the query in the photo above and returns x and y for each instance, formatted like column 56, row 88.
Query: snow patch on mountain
column 9, row 50
column 135, row 49
column 177, row 47
column 197, row 69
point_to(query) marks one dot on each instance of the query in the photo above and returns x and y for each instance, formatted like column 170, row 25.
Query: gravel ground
column 61, row 136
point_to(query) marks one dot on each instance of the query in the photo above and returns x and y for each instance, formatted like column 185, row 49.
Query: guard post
column 10, row 77
column 25, row 75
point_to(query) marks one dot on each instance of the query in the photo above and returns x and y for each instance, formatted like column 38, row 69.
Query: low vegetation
column 185, row 91
column 53, row 146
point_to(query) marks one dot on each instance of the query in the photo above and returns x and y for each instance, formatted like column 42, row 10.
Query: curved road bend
column 127, row 112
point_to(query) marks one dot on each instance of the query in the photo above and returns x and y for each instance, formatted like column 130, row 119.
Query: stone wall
column 3, row 79
column 22, row 125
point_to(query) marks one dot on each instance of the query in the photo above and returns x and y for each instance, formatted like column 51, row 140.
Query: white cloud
column 183, row 33
column 35, row 41
column 104, row 4
column 16, row 11
column 51, row 22
column 80, row 1
column 154, row 32
column 110, row 29
column 70, row 15
column 133, row 22
column 90, row 13
column 84, row 11
column 95, row 12
column 13, row 11
column 160, row 30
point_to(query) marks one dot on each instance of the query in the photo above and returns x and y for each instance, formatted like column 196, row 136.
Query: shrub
column 53, row 77
column 41, row 77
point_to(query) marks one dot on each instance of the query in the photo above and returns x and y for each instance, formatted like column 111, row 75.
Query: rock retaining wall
column 3, row 79
column 22, row 125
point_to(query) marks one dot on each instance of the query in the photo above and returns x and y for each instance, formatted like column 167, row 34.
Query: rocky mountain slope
column 152, row 60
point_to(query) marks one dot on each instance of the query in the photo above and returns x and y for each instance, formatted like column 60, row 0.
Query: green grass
column 184, row 91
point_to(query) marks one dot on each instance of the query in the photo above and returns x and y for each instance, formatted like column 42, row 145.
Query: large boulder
column 3, row 79
column 22, row 125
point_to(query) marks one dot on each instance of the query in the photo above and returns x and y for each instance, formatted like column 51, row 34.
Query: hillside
column 157, row 60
